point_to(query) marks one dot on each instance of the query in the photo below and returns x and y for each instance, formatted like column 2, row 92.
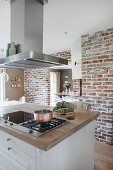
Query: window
column 54, row 86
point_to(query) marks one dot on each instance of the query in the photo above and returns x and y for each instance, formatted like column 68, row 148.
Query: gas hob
column 24, row 121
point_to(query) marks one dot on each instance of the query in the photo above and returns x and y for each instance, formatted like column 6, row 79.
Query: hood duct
column 27, row 31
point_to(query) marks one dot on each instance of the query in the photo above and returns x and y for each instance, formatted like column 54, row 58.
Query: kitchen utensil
column 43, row 115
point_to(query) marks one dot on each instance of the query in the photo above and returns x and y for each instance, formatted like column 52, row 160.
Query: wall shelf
column 65, row 94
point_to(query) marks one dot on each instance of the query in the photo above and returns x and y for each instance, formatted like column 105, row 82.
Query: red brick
column 108, row 44
column 108, row 91
column 108, row 60
column 103, row 57
column 110, row 71
column 96, row 76
column 104, row 34
column 97, row 61
column 111, row 40
column 107, row 83
column 111, row 95
column 102, row 87
column 97, row 83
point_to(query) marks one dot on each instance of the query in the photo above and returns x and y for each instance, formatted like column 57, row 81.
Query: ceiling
column 66, row 20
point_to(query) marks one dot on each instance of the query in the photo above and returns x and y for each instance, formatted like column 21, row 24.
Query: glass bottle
column 7, row 51
column 12, row 49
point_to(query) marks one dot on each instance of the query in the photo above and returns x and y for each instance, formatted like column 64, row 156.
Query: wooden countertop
column 52, row 138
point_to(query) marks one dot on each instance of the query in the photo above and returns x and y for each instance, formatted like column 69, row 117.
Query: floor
column 103, row 156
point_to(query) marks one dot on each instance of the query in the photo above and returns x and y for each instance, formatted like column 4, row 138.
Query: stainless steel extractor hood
column 31, row 60
column 27, row 31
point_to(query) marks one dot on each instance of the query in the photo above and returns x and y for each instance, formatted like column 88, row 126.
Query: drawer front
column 10, row 141
column 6, row 163
column 4, row 136
column 3, row 163
column 23, row 146
column 16, row 160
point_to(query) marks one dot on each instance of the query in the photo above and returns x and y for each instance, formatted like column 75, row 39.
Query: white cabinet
column 16, row 154
column 76, row 57
column 74, row 153
column 6, row 163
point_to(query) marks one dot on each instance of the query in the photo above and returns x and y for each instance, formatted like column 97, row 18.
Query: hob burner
column 43, row 127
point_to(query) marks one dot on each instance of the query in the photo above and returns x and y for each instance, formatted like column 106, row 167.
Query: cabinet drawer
column 17, row 160
column 4, row 136
column 23, row 146
column 4, row 164
column 10, row 141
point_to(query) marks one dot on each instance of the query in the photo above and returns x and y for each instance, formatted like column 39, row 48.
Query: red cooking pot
column 43, row 115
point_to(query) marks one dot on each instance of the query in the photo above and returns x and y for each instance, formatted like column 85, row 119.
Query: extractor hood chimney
column 27, row 31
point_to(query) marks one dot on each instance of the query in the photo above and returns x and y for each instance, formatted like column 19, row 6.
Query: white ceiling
column 76, row 17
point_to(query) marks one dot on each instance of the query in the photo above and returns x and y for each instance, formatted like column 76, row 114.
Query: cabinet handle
column 9, row 148
column 8, row 139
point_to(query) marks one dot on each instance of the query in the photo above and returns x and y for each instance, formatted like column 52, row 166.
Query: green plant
column 63, row 107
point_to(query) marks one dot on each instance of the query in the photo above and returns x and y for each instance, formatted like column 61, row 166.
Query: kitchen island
column 69, row 147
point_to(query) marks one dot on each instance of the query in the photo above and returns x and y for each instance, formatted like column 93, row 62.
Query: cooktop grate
column 43, row 127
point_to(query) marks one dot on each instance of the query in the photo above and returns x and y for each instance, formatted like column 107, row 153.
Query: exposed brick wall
column 97, row 52
column 64, row 54
column 37, row 86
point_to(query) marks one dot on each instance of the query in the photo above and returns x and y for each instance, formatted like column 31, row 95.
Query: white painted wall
column 4, row 23
column 77, row 17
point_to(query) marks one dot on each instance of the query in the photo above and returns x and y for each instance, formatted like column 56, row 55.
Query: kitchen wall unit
column 76, row 60
column 75, row 152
